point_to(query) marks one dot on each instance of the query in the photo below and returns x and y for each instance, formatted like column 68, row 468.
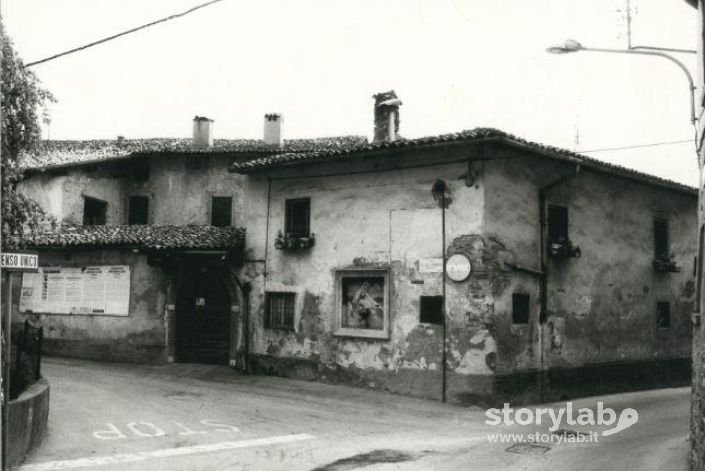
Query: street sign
column 458, row 267
column 19, row 262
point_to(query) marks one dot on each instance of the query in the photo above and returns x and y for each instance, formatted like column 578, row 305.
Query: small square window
column 661, row 245
column 520, row 308
column 279, row 310
column 557, row 223
column 663, row 314
column 431, row 310
column 95, row 211
column 298, row 217
column 138, row 210
column 221, row 211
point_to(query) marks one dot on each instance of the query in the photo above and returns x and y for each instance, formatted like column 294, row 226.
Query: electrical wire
column 636, row 146
column 109, row 38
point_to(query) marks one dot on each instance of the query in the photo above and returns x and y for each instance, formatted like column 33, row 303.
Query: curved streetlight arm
column 658, row 54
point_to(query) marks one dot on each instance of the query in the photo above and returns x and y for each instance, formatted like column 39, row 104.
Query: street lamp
column 572, row 45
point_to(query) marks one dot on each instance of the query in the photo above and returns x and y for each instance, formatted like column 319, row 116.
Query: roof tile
column 62, row 153
column 190, row 237
column 473, row 135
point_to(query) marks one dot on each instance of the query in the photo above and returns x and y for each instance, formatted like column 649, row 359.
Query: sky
column 455, row 64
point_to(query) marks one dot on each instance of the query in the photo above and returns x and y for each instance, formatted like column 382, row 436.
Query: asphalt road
column 197, row 417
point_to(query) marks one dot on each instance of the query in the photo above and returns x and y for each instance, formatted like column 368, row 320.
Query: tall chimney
column 273, row 129
column 202, row 132
column 386, row 116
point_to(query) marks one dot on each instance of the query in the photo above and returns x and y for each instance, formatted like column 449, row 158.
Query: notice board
column 92, row 290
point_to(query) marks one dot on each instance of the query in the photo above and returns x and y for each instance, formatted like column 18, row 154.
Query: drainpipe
column 543, row 272
column 246, row 288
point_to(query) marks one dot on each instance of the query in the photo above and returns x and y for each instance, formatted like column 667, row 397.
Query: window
column 661, row 248
column 298, row 215
column 431, row 310
column 140, row 170
column 94, row 211
column 221, row 210
column 520, row 308
column 279, row 310
column 362, row 298
column 138, row 210
column 663, row 314
column 557, row 223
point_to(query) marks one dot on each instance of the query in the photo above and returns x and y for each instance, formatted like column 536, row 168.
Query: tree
column 23, row 105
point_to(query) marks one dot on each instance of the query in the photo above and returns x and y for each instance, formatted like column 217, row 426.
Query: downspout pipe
column 246, row 288
column 543, row 271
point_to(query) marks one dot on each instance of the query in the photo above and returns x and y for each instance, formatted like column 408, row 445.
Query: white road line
column 163, row 453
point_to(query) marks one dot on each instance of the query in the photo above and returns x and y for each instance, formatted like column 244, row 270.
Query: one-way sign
column 19, row 261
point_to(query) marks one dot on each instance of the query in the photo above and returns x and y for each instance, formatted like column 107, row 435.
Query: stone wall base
column 111, row 351
column 489, row 390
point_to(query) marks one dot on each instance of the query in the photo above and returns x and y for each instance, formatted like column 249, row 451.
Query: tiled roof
column 65, row 153
column 476, row 135
column 190, row 237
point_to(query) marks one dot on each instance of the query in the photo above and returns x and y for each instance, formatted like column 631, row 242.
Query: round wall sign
column 458, row 267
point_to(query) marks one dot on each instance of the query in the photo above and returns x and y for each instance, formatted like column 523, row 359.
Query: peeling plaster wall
column 373, row 220
column 602, row 306
column 138, row 337
column 180, row 193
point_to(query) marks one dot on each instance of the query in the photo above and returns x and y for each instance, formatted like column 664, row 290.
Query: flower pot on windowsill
column 294, row 242
column 666, row 265
column 563, row 248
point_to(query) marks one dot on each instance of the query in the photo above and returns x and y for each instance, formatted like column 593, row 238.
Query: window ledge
column 666, row 265
column 362, row 333
column 291, row 242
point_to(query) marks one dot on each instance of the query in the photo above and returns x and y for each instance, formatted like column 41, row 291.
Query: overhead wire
column 129, row 31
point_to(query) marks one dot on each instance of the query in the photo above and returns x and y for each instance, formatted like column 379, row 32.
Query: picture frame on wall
column 362, row 303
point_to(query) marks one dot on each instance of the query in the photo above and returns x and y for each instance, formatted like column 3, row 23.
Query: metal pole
column 445, row 316
column 7, row 337
column 680, row 65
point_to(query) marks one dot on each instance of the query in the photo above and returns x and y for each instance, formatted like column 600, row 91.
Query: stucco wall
column 179, row 193
column 602, row 306
column 140, row 336
column 386, row 219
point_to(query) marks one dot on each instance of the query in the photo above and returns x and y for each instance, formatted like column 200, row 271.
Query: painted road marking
column 163, row 453
column 149, row 430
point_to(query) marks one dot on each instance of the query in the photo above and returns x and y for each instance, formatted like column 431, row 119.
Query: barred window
column 279, row 310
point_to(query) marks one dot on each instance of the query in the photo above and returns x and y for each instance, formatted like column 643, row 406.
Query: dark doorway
column 203, row 317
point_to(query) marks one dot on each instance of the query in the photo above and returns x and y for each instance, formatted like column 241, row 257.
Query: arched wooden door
column 203, row 318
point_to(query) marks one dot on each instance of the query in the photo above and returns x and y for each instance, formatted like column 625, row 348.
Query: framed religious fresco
column 362, row 303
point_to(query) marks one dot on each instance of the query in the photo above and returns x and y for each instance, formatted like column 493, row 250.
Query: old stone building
column 143, row 267
column 565, row 275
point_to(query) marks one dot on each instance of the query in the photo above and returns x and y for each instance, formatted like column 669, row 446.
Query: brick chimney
column 386, row 116
column 202, row 132
column 273, row 129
